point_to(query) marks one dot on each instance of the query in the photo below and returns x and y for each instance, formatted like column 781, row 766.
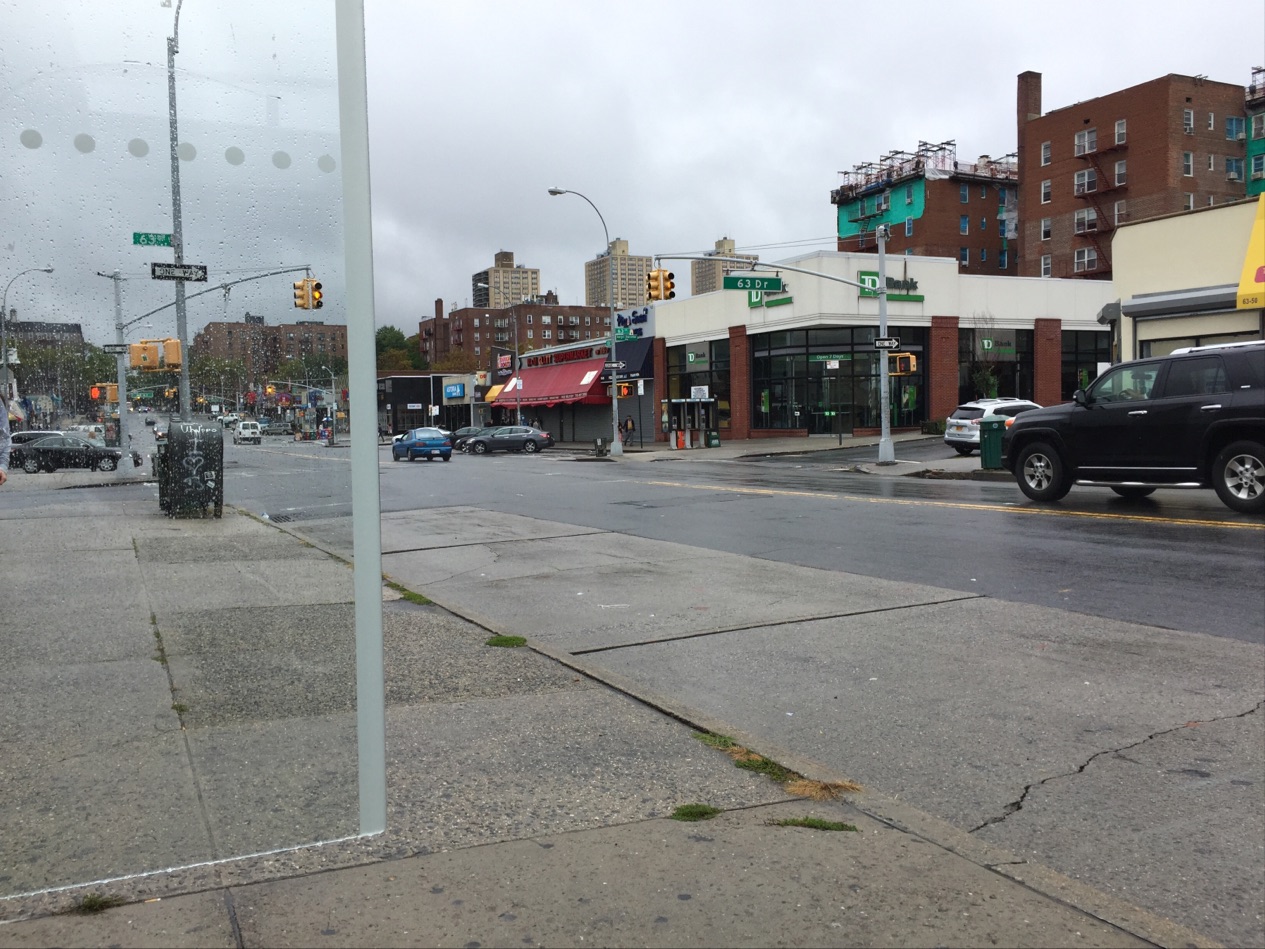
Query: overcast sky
column 682, row 122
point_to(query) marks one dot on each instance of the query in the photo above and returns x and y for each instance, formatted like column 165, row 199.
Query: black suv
column 1192, row 419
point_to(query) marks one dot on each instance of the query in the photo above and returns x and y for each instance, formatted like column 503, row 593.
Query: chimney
column 439, row 308
column 1028, row 106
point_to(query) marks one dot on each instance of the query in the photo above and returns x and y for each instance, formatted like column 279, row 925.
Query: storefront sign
column 1251, row 295
column 898, row 289
column 635, row 323
column 760, row 298
column 456, row 390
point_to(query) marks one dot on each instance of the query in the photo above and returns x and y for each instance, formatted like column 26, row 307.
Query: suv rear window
column 967, row 412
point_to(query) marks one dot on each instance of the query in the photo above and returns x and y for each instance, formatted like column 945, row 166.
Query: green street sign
column 624, row 334
column 734, row 282
column 151, row 240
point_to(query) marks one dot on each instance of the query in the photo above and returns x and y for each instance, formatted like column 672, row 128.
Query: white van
column 248, row 433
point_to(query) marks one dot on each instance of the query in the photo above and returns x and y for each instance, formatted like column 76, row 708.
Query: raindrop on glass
column 234, row 156
column 31, row 138
column 186, row 152
column 138, row 147
column 85, row 143
column 281, row 159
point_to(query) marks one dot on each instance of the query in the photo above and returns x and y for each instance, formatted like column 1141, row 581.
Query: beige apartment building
column 629, row 277
column 707, row 275
column 504, row 283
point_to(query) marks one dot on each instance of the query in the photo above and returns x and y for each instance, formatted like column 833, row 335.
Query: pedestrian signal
column 904, row 364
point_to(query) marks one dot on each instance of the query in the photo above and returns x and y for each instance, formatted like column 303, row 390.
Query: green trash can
column 991, row 429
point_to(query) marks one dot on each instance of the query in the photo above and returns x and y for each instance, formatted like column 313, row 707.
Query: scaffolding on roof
column 931, row 160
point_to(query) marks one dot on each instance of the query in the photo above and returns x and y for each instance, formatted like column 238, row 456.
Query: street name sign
column 887, row 342
column 195, row 272
column 734, row 282
column 151, row 240
column 115, row 349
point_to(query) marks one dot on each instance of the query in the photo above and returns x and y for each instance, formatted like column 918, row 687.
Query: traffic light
column 666, row 291
column 94, row 392
column 111, row 392
column 171, row 353
column 652, row 285
column 301, row 299
column 271, row 390
column 314, row 294
column 144, row 355
column 904, row 364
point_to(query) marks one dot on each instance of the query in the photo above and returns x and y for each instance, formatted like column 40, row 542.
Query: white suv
column 247, row 433
column 961, row 429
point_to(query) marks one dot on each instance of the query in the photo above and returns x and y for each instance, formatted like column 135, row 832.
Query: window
column 476, row 322
column 1046, row 265
column 909, row 227
column 983, row 192
column 1188, row 164
column 1086, row 259
column 983, row 255
column 1045, row 191
column 1086, row 181
column 1003, row 258
column 1258, row 125
column 964, row 193
column 983, row 225
column 588, row 321
column 529, row 318
column 1258, row 167
column 478, row 350
column 1188, row 121
column 1086, row 141
column 1121, row 131
column 1001, row 196
column 964, row 224
column 1121, row 212
column 1121, row 169
column 546, row 334
column 1212, row 162
column 964, row 256
column 1045, row 228
column 1235, row 128
column 1204, row 375
column 1188, row 202
column 544, row 320
column 1234, row 169
column 529, row 333
column 909, row 194
column 1086, row 220
column 476, row 335
column 1045, row 153
column 1212, row 121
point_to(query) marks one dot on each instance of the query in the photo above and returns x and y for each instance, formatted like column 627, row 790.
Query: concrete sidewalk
column 528, row 801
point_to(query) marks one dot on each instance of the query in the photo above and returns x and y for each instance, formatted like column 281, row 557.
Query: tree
column 457, row 360
column 388, row 337
column 394, row 359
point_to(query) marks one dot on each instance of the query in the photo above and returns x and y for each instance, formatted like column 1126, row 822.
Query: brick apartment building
column 262, row 348
column 532, row 324
column 934, row 205
column 1168, row 145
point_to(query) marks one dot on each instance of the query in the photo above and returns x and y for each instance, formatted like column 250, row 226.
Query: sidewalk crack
column 1017, row 805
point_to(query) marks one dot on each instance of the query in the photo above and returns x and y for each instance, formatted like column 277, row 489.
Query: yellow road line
column 962, row 505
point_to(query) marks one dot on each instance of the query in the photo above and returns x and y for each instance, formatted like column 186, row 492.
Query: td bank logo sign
column 900, row 290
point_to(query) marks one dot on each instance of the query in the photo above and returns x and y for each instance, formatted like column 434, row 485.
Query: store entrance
column 830, row 403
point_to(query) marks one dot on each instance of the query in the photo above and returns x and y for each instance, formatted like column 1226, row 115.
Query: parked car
column 21, row 438
column 1191, row 419
column 509, row 438
column 247, row 432
column 961, row 429
column 228, row 421
column 428, row 443
column 462, row 435
column 150, row 420
column 65, row 451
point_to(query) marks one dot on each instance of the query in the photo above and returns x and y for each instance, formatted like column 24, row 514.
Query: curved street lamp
column 617, row 445
column 4, row 315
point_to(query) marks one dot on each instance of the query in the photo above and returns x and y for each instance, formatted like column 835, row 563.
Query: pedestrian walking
column 627, row 429
column 6, row 440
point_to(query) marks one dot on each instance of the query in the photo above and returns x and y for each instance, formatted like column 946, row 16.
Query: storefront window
column 995, row 363
column 1084, row 351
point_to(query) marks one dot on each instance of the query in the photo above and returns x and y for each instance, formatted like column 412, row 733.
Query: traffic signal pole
column 886, row 454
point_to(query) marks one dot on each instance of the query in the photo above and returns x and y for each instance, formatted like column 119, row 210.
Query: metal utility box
column 189, row 466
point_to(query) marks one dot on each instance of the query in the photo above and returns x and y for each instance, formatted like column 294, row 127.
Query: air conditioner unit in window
column 1232, row 176
column 1241, row 136
column 1258, row 176
column 1189, row 129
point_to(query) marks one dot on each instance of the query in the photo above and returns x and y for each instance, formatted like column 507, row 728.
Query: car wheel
column 395, row 457
column 1238, row 475
column 962, row 449
column 1041, row 473
column 480, row 448
column 31, row 465
column 531, row 448
column 412, row 457
column 1132, row 493
column 446, row 457
column 107, row 464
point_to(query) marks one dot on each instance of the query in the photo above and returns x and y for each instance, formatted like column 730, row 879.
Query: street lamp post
column 5, row 373
column 617, row 445
column 177, row 221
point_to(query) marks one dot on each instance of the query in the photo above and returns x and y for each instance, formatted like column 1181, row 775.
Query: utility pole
column 177, row 224
column 886, row 452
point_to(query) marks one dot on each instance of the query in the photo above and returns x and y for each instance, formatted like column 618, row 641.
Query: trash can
column 190, row 470
column 991, row 429
column 600, row 448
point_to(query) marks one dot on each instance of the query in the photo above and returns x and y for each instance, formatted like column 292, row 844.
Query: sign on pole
column 195, row 272
column 115, row 349
column 887, row 342
column 619, row 364
column 151, row 240
column 733, row 282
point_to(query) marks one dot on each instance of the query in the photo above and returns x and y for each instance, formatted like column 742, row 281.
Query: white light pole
column 886, row 453
column 5, row 374
column 617, row 445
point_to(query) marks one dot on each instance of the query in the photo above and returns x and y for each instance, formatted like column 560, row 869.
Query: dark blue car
column 425, row 443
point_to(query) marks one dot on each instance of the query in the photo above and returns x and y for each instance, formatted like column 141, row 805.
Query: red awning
column 557, row 384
